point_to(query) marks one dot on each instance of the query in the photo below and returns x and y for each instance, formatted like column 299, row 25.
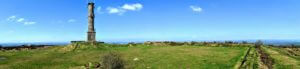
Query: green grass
column 153, row 57
column 252, row 60
column 282, row 60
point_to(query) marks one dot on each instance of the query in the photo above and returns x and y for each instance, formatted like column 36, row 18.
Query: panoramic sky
column 149, row 20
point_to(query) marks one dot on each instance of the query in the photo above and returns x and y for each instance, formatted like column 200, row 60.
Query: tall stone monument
column 91, row 34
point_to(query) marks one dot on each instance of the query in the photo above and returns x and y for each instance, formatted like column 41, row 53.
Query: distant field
column 152, row 57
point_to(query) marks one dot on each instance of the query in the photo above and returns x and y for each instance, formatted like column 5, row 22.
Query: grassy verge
column 136, row 57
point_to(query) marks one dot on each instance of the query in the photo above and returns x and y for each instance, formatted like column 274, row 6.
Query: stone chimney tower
column 91, row 34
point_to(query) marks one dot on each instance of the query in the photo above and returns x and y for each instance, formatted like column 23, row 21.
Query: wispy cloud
column 11, row 18
column 112, row 10
column 20, row 20
column 196, row 8
column 71, row 20
column 124, row 8
column 132, row 7
column 99, row 10
column 29, row 23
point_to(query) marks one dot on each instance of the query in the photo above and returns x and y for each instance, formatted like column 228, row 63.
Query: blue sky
column 149, row 20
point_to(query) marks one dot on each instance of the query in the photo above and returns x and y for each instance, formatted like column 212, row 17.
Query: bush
column 194, row 43
column 112, row 60
column 258, row 43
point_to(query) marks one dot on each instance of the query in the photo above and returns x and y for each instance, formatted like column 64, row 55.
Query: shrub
column 112, row 60
column 131, row 44
column 258, row 43
column 205, row 43
column 194, row 43
column 229, row 42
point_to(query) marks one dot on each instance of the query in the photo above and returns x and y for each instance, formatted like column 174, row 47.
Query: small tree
column 205, row 43
column 258, row 43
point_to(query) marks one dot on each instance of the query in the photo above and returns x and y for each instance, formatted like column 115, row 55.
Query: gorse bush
column 258, row 43
column 112, row 60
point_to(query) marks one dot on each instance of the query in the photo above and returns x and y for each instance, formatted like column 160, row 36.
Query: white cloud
column 112, row 10
column 132, row 7
column 11, row 18
column 124, row 8
column 71, row 20
column 20, row 20
column 196, row 8
column 29, row 23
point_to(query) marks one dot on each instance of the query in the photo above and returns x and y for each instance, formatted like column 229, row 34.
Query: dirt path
column 265, row 58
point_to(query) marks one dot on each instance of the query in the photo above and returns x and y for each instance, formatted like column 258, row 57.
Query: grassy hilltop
column 141, row 56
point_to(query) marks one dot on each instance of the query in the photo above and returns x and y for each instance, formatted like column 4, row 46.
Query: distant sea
column 282, row 42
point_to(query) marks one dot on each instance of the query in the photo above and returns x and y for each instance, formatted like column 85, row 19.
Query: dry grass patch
column 282, row 61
